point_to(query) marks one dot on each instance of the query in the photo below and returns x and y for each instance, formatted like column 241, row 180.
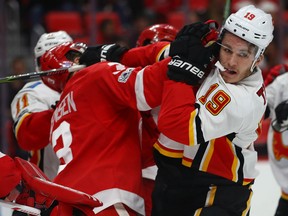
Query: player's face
column 237, row 56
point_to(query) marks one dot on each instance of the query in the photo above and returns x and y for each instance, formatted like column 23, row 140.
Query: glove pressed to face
column 191, row 59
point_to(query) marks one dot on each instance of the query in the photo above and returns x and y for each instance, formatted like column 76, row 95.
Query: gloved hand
column 32, row 198
column 281, row 112
column 109, row 52
column 274, row 72
column 192, row 36
column 192, row 69
column 195, row 46
column 39, row 192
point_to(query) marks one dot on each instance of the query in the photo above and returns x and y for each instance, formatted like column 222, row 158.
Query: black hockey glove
column 192, row 35
column 192, row 69
column 109, row 52
column 281, row 112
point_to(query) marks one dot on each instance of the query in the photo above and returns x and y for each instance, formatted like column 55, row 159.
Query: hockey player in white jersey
column 205, row 152
column 31, row 110
column 277, row 140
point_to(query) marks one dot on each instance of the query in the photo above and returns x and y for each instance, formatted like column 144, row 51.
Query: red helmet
column 155, row 33
column 63, row 55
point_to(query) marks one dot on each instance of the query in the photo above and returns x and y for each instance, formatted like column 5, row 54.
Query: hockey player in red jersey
column 96, row 123
column 31, row 107
column 205, row 154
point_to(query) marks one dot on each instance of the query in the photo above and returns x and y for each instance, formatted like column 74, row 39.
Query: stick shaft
column 38, row 74
column 226, row 10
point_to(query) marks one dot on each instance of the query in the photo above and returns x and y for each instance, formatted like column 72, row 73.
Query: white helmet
column 253, row 25
column 47, row 41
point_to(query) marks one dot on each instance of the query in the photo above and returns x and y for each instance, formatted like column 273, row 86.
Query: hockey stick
column 21, row 208
column 227, row 9
column 34, row 75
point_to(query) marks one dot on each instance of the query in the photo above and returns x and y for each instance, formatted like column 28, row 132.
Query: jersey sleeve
column 138, row 88
column 146, row 55
column 31, row 112
column 33, row 130
column 33, row 97
column 178, row 103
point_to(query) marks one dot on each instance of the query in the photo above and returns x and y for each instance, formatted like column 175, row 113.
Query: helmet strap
column 258, row 54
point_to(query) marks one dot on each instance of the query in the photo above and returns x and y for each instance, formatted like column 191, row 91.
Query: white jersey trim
column 142, row 104
column 110, row 197
column 150, row 172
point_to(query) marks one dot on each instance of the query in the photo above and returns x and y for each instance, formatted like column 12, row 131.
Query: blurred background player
column 277, row 110
column 31, row 110
column 156, row 33
column 275, row 72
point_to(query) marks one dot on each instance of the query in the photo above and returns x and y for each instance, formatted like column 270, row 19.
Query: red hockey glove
column 10, row 176
column 46, row 191
column 274, row 72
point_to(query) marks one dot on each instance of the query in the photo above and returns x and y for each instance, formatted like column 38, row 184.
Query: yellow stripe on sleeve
column 192, row 127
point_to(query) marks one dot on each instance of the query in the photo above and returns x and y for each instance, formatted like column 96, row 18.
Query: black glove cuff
column 91, row 55
column 112, row 52
column 181, row 70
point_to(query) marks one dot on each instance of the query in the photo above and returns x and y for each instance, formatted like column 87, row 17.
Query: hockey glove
column 194, row 35
column 274, row 72
column 192, row 69
column 109, row 52
column 281, row 112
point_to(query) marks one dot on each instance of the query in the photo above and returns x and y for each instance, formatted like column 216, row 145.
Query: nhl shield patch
column 125, row 75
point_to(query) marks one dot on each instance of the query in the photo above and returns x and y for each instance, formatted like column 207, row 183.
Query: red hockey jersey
column 94, row 130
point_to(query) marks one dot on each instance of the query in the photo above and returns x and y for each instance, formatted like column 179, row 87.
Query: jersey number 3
column 61, row 140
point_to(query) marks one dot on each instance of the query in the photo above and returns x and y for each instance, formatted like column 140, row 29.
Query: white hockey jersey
column 31, row 112
column 278, row 142
column 215, row 131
